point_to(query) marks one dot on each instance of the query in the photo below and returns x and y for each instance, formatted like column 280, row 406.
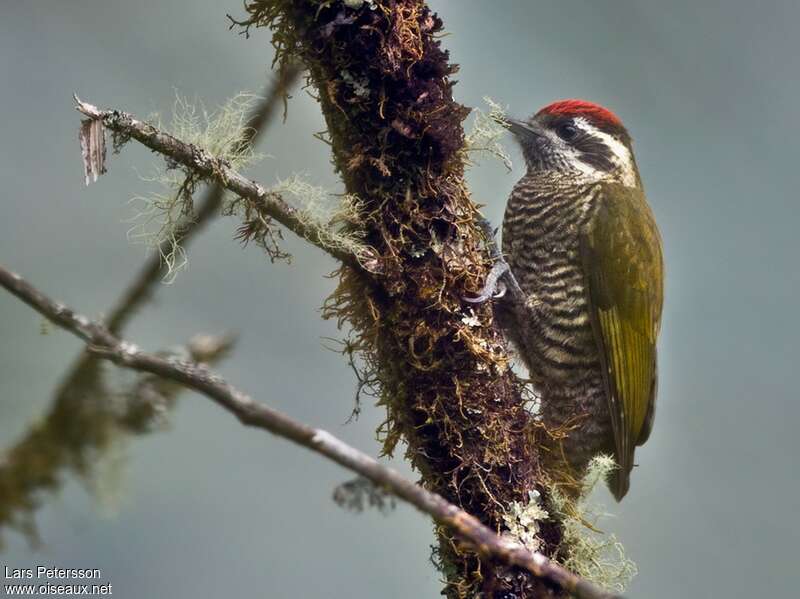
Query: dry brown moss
column 385, row 87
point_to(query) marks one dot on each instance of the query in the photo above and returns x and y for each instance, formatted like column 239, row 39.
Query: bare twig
column 251, row 413
column 201, row 162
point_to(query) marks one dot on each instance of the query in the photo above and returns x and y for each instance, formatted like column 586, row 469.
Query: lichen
column 360, row 493
column 219, row 132
column 523, row 521
column 590, row 552
column 487, row 131
column 335, row 216
column 160, row 213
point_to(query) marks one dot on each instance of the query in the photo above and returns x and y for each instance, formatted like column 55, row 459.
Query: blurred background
column 206, row 507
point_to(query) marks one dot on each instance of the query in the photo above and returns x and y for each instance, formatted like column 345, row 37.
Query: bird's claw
column 494, row 288
column 500, row 282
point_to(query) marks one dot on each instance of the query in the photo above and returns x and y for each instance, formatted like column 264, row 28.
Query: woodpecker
column 583, row 246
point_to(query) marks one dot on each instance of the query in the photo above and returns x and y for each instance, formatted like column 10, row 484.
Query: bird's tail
column 619, row 481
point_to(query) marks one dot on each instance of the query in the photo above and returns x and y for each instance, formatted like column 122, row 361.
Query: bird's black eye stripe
column 567, row 131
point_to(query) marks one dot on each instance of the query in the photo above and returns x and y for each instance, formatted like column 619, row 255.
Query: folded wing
column 623, row 267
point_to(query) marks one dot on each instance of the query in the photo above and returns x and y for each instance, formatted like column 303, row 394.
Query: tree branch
column 385, row 85
column 86, row 419
column 86, row 416
column 103, row 343
column 201, row 162
column 140, row 288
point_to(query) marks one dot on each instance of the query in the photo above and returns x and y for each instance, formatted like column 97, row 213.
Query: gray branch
column 140, row 288
column 198, row 377
column 84, row 416
column 200, row 161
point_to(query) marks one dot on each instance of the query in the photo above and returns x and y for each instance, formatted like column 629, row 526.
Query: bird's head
column 577, row 138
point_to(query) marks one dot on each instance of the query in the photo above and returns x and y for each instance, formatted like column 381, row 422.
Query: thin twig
column 83, row 424
column 84, row 419
column 141, row 287
column 200, row 161
column 251, row 413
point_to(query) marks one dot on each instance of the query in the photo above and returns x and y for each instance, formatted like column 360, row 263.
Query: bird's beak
column 523, row 130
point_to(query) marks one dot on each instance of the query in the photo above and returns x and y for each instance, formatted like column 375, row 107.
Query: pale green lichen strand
column 336, row 217
column 159, row 213
column 591, row 553
column 220, row 132
column 487, row 132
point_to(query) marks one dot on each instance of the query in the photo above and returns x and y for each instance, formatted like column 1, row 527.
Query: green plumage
column 622, row 262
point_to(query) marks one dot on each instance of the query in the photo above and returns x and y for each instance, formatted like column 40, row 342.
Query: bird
column 582, row 243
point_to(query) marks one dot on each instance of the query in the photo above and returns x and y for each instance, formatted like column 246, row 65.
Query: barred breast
column 541, row 240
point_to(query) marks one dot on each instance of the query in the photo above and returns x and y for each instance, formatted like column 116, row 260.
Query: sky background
column 709, row 92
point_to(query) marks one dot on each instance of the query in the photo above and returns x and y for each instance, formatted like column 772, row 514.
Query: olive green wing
column 623, row 267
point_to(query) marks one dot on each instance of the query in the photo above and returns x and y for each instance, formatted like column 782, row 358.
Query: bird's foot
column 500, row 282
column 494, row 288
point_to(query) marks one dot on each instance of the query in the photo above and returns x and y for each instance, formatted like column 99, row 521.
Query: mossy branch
column 200, row 163
column 197, row 376
column 385, row 87
column 88, row 419
column 89, row 416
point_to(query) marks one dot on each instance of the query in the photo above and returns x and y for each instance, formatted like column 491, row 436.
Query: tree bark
column 385, row 88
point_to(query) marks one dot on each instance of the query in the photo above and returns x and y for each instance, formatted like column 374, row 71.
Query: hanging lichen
column 160, row 213
column 591, row 553
column 486, row 133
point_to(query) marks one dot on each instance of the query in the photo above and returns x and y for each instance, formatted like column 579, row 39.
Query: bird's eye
column 567, row 131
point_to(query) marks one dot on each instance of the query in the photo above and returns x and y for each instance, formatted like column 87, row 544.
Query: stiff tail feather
column 619, row 481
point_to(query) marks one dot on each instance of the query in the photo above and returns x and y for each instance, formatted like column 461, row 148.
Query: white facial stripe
column 573, row 157
column 587, row 169
column 621, row 156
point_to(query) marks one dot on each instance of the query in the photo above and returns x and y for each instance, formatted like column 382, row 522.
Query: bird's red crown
column 589, row 110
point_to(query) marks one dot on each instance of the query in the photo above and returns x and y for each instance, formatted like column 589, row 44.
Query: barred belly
column 541, row 239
